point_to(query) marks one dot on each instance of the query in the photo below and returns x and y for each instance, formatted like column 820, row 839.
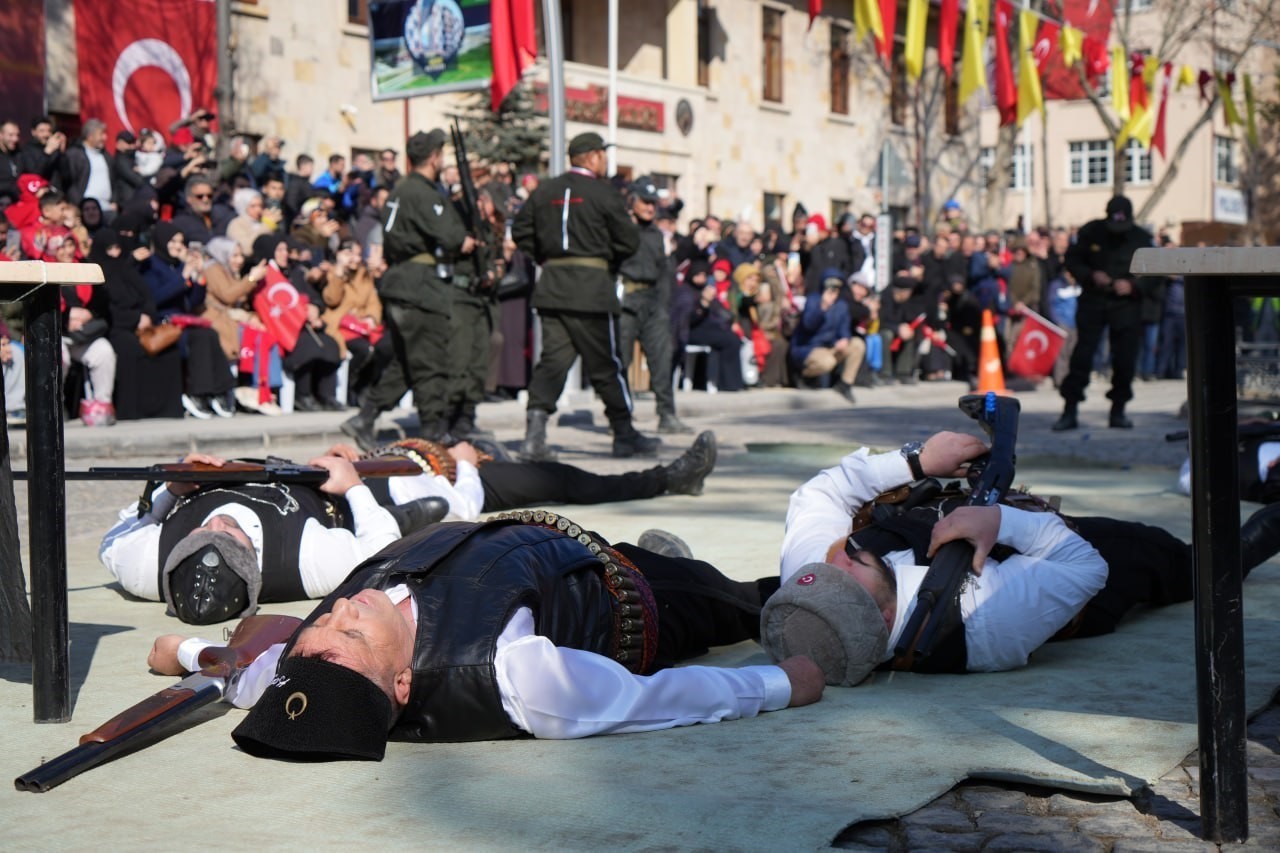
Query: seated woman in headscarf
column 175, row 276
column 289, row 308
column 229, row 284
column 147, row 386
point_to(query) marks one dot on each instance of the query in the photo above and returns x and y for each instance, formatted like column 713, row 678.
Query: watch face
column 911, row 447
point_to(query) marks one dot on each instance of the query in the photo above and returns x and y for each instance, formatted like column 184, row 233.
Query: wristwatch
column 911, row 452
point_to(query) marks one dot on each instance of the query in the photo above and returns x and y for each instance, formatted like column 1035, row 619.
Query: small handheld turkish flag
column 1037, row 347
column 282, row 309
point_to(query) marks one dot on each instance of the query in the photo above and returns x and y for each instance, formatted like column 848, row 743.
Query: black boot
column 418, row 514
column 535, row 447
column 1118, row 420
column 844, row 389
column 628, row 442
column 686, row 475
column 436, row 430
column 361, row 426
column 670, row 424
column 1260, row 537
column 1068, row 419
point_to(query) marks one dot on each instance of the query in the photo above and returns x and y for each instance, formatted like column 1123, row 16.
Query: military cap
column 589, row 141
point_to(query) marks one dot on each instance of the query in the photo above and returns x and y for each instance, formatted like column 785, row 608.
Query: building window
column 839, row 69
column 774, row 205
column 1137, row 163
column 772, row 67
column 705, row 17
column 1224, row 158
column 1022, row 169
column 358, row 12
column 839, row 207
column 1133, row 5
column 898, row 92
column 1089, row 163
column 952, row 106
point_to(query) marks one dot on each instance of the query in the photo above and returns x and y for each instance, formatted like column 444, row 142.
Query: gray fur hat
column 826, row 615
column 236, row 556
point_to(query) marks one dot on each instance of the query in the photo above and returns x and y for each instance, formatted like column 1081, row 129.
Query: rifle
column 156, row 717
column 270, row 471
column 990, row 477
column 484, row 277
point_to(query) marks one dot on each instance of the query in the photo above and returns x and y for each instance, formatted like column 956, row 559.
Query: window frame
column 841, row 41
column 361, row 18
column 772, row 29
column 1230, row 175
column 1090, row 150
column 1139, row 169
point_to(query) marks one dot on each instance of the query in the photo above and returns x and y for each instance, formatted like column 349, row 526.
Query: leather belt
column 424, row 258
column 630, row 285
column 575, row 261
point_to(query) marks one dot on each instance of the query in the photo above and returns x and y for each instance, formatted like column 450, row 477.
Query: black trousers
column 595, row 338
column 508, row 485
column 469, row 329
column 698, row 607
column 1145, row 566
column 1121, row 319
column 208, row 372
column 420, row 341
column 646, row 317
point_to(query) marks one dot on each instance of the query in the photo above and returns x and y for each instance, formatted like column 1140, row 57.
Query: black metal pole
column 1215, row 513
column 46, row 502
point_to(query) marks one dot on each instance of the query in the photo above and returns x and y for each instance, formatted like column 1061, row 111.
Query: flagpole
column 1027, row 170
column 226, row 117
column 612, row 151
column 554, row 37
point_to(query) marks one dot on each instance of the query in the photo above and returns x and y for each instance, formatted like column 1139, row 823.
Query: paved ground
column 786, row 432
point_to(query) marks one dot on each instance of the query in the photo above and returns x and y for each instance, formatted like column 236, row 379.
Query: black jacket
column 576, row 216
column 1097, row 248
column 9, row 172
column 33, row 160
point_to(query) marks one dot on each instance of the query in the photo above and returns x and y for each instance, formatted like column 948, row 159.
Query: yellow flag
column 1030, row 98
column 913, row 48
column 1072, row 42
column 1142, row 124
column 1229, row 113
column 1251, row 115
column 1186, row 77
column 866, row 17
column 1150, row 68
column 1120, row 82
column 973, row 65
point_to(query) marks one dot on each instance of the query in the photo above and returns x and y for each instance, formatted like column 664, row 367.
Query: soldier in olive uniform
column 1110, row 299
column 576, row 226
column 646, row 304
column 423, row 238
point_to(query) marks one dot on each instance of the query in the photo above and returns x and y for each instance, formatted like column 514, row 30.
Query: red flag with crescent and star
column 1093, row 18
column 1037, row 347
column 145, row 63
column 282, row 309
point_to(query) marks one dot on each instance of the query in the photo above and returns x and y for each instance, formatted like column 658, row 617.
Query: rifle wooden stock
column 243, row 472
column 158, row 715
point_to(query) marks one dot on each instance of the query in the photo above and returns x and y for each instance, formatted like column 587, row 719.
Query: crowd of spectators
column 202, row 256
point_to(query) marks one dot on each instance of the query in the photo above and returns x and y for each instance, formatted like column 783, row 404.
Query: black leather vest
column 283, row 511
column 467, row 587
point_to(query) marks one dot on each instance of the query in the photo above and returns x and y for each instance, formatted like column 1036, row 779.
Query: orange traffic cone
column 990, row 376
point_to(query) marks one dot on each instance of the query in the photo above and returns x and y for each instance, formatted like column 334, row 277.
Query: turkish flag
column 1046, row 48
column 1037, row 346
column 514, row 46
column 1006, row 89
column 145, row 63
column 282, row 309
column 1094, row 19
column 948, row 22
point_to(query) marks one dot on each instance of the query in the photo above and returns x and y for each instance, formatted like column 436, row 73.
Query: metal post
column 46, row 500
column 554, row 35
column 1215, row 515
column 612, row 151
column 226, row 116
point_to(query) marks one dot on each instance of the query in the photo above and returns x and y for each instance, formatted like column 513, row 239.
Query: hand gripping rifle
column 990, row 477
column 158, row 716
column 484, row 277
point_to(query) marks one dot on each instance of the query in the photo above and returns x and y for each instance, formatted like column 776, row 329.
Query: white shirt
column 554, row 692
column 1009, row 612
column 131, row 549
column 465, row 497
column 99, row 185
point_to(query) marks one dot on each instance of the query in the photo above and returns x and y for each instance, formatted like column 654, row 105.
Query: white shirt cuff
column 189, row 651
column 777, row 687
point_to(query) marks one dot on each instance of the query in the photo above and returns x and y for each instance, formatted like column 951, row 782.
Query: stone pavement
column 784, row 423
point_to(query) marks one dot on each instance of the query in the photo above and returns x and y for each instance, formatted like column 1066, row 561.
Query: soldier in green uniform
column 423, row 238
column 646, row 304
column 577, row 227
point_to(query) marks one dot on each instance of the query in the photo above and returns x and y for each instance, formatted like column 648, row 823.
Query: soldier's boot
column 361, row 427
column 1068, row 419
column 435, row 429
column 668, row 423
column 686, row 475
column 535, row 447
column 627, row 441
column 1260, row 537
column 1118, row 420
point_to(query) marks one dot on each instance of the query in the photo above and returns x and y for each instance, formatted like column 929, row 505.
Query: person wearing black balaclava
column 1111, row 299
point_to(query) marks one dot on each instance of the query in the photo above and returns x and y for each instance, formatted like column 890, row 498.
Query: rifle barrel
column 202, row 691
column 305, row 475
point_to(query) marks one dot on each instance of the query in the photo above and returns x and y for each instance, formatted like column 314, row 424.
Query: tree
column 1225, row 32
column 516, row 134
